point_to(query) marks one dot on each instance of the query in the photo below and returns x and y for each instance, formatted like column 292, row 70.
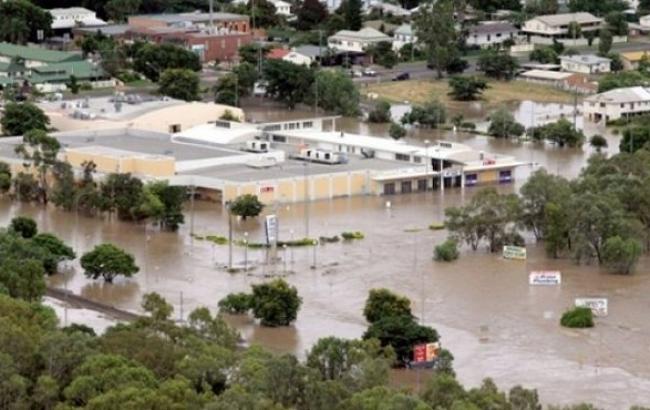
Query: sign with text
column 545, row 278
column 514, row 252
column 426, row 352
column 598, row 306
column 266, row 189
column 271, row 224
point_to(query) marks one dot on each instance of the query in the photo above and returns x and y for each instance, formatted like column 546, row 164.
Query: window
column 417, row 160
column 422, row 184
column 406, row 187
column 505, row 176
column 389, row 189
column 471, row 179
column 174, row 128
column 307, row 124
column 402, row 157
column 279, row 138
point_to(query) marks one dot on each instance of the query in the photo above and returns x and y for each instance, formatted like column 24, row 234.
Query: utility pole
column 320, row 37
column 306, row 183
column 211, row 16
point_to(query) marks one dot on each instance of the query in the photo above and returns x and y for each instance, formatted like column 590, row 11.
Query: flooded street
column 494, row 323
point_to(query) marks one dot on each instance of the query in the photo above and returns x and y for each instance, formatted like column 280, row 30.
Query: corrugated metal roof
column 564, row 19
column 36, row 53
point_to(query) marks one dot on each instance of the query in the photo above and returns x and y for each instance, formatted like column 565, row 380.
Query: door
column 389, row 189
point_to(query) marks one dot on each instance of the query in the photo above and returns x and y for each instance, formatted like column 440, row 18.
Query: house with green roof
column 48, row 70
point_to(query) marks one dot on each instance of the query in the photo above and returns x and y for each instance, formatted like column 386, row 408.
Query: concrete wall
column 138, row 165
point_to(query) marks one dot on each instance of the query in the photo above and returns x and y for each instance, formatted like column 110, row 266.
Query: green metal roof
column 61, row 72
column 37, row 53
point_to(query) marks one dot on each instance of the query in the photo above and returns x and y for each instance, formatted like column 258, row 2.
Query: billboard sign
column 271, row 224
column 420, row 353
column 598, row 306
column 426, row 352
column 545, row 278
column 514, row 252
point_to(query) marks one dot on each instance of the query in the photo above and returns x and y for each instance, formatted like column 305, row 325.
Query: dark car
column 401, row 77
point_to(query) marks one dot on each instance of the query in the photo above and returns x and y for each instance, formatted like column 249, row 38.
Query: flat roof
column 294, row 169
column 105, row 108
column 172, row 18
column 589, row 59
column 546, row 75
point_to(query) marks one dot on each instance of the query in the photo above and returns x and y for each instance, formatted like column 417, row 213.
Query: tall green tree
column 497, row 64
column 18, row 118
column 108, row 261
column 179, row 83
column 435, row 30
column 335, row 92
column 22, row 21
column 287, row 82
column 153, row 59
column 466, row 88
column 309, row 14
column 352, row 14
column 40, row 150
column 275, row 303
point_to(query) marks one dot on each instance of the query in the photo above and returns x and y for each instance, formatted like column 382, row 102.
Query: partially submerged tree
column 108, row 261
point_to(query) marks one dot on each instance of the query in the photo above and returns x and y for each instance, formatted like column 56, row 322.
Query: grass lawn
column 420, row 91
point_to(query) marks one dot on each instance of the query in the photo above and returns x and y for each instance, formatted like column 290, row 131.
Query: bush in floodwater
column 578, row 317
column 235, row 303
column 219, row 240
column 446, row 251
column 437, row 226
column 348, row 236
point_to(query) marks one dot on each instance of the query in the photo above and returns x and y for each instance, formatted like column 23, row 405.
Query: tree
column 287, row 82
column 382, row 397
column 574, row 30
column 18, row 118
column 544, row 55
column 64, row 189
column 497, row 64
column 446, row 251
column 396, row 131
column 179, row 83
column 503, row 125
column 540, row 191
column 54, row 246
column 442, row 390
column 434, row 28
column 605, row 44
column 309, row 14
column 24, row 226
column 247, row 205
column 430, row 115
column 119, row 10
column 381, row 113
column 275, row 303
column 466, row 88
column 159, row 309
column 235, row 303
column 620, row 255
column 108, row 261
column 171, row 199
column 247, row 75
column 122, row 193
column 401, row 333
column 562, row 132
column 635, row 137
column 598, row 142
column 23, row 278
column 542, row 7
column 352, row 14
column 263, row 12
column 620, row 80
column 598, row 7
column 23, row 21
column 616, row 23
column 382, row 53
column 335, row 92
column 253, row 52
column 153, row 59
column 73, row 84
column 5, row 177
column 523, row 399
column 41, row 151
column 227, row 90
column 578, row 317
column 382, row 303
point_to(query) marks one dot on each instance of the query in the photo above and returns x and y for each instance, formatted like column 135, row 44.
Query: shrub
column 437, row 226
column 24, row 226
column 235, row 303
column 275, row 303
column 348, row 236
column 446, row 251
column 217, row 239
column 578, row 317
column 381, row 113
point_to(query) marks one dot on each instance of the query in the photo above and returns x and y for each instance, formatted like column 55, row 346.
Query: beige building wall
column 158, row 167
column 152, row 166
column 488, row 177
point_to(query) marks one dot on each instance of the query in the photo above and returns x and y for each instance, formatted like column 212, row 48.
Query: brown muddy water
column 488, row 316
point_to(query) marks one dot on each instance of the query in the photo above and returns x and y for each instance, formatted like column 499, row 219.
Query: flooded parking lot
column 488, row 316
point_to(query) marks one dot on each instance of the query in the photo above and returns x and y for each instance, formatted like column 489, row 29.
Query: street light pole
column 245, row 251
column 313, row 266
column 229, row 236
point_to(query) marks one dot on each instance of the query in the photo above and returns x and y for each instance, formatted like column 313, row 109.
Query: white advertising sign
column 514, row 252
column 598, row 306
column 271, row 228
column 545, row 278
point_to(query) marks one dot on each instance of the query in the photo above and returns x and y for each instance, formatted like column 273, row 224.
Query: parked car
column 356, row 73
column 402, row 77
column 369, row 72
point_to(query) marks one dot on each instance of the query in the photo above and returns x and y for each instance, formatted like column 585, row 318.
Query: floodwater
column 495, row 324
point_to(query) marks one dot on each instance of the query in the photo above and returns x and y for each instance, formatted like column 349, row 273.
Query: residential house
column 277, row 53
column 64, row 19
column 585, row 64
column 490, row 33
column 577, row 82
column 644, row 21
column 387, row 8
column 403, row 35
column 356, row 41
column 48, row 70
column 555, row 27
column 282, row 8
column 632, row 59
column 305, row 55
column 617, row 103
